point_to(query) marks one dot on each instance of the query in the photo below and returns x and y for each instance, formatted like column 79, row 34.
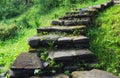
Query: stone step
column 95, row 73
column 83, row 11
column 116, row 1
column 63, row 29
column 27, row 61
column 70, row 22
column 85, row 15
column 58, row 41
column 70, row 55
column 25, row 64
column 97, row 7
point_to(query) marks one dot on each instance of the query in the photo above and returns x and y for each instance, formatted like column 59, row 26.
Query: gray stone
column 116, row 1
column 81, row 42
column 27, row 61
column 84, row 21
column 56, row 76
column 70, row 55
column 34, row 42
column 76, row 16
column 62, row 29
column 25, row 64
column 71, row 68
column 98, row 7
column 49, row 40
column 91, row 11
column 80, row 39
column 64, row 40
column 56, row 22
column 95, row 73
column 70, row 23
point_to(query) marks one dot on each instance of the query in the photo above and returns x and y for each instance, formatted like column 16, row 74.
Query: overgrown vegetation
column 19, row 23
column 105, row 39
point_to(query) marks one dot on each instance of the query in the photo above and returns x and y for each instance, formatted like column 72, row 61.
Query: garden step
column 70, row 55
column 90, row 11
column 98, row 7
column 77, row 16
column 27, row 61
column 117, row 1
column 63, row 29
column 95, row 73
column 58, row 41
column 25, row 64
column 70, row 22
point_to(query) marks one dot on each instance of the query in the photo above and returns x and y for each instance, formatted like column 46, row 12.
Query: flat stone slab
column 70, row 55
column 73, row 22
column 58, row 41
column 63, row 29
column 71, row 13
column 82, row 39
column 84, row 21
column 27, row 61
column 116, row 1
column 95, row 73
column 98, row 7
column 56, row 76
column 77, row 16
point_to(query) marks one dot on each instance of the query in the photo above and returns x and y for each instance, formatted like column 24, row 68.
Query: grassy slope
column 105, row 39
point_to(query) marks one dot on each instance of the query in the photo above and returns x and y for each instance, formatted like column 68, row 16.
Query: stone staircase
column 62, row 48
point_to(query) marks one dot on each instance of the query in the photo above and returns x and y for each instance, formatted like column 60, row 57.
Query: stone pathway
column 62, row 47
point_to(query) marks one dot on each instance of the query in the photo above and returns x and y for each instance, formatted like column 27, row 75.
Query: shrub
column 6, row 32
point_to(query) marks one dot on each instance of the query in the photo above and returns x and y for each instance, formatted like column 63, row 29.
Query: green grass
column 105, row 39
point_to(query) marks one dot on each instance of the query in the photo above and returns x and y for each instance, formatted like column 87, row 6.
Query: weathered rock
column 116, row 1
column 57, row 22
column 76, row 16
column 80, row 39
column 34, row 41
column 25, row 64
column 84, row 21
column 66, row 41
column 81, row 42
column 56, row 76
column 89, row 10
column 27, row 61
column 71, row 13
column 71, row 68
column 21, row 73
column 98, row 7
column 95, row 73
column 49, row 40
column 63, row 29
column 62, row 42
column 70, row 55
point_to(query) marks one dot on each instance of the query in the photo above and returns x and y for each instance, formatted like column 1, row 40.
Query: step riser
column 84, row 10
column 71, row 22
column 46, row 44
column 81, row 31
column 77, row 16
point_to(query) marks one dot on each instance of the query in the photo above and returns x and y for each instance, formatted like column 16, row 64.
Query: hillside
column 104, row 35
